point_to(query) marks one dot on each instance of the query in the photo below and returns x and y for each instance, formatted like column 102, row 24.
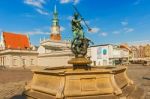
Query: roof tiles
column 16, row 41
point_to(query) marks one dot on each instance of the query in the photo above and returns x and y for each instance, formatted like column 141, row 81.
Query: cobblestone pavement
column 10, row 89
column 141, row 76
column 12, row 82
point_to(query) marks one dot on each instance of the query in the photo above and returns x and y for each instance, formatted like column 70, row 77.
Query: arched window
column 104, row 51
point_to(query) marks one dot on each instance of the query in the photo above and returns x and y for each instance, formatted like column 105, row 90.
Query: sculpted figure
column 80, row 43
column 77, row 28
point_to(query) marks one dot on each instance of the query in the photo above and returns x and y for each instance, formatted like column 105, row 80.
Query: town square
column 74, row 49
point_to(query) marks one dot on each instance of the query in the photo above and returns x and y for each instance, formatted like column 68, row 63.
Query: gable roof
column 15, row 41
column 126, row 47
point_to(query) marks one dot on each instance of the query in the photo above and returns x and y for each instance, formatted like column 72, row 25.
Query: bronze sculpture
column 79, row 44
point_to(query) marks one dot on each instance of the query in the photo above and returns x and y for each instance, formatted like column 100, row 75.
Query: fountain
column 81, row 81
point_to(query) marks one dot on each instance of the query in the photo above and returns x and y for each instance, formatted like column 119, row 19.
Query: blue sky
column 112, row 21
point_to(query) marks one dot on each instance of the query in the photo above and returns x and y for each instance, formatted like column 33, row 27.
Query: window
column 23, row 62
column 32, row 62
column 99, row 53
column 104, row 51
column 104, row 62
column 14, row 62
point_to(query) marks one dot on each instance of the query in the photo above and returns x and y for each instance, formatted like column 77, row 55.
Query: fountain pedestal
column 96, row 83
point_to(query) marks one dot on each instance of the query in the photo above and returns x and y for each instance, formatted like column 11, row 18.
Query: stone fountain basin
column 66, row 83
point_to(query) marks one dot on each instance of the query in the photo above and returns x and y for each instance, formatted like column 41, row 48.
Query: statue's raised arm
column 77, row 28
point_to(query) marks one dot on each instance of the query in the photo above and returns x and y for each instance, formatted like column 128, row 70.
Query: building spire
column 55, row 21
column 55, row 9
column 55, row 28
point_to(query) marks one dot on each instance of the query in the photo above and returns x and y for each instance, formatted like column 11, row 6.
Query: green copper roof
column 55, row 20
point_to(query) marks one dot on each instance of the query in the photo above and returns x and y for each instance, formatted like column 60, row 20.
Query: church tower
column 55, row 28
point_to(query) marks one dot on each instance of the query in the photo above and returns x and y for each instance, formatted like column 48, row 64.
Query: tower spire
column 55, row 21
column 55, row 28
column 55, row 9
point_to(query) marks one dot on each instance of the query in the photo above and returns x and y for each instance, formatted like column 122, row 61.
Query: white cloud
column 127, row 30
column 116, row 32
column 37, row 32
column 1, row 30
column 70, row 17
column 65, row 1
column 139, row 42
column 42, row 12
column 123, row 30
column 103, row 34
column 94, row 30
column 87, row 22
column 36, row 3
column 76, row 1
column 62, row 28
column 137, row 2
column 124, row 23
column 68, row 1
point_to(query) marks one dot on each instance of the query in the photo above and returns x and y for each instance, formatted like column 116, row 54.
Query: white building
column 54, row 52
column 11, row 58
column 108, row 54
column 15, row 51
